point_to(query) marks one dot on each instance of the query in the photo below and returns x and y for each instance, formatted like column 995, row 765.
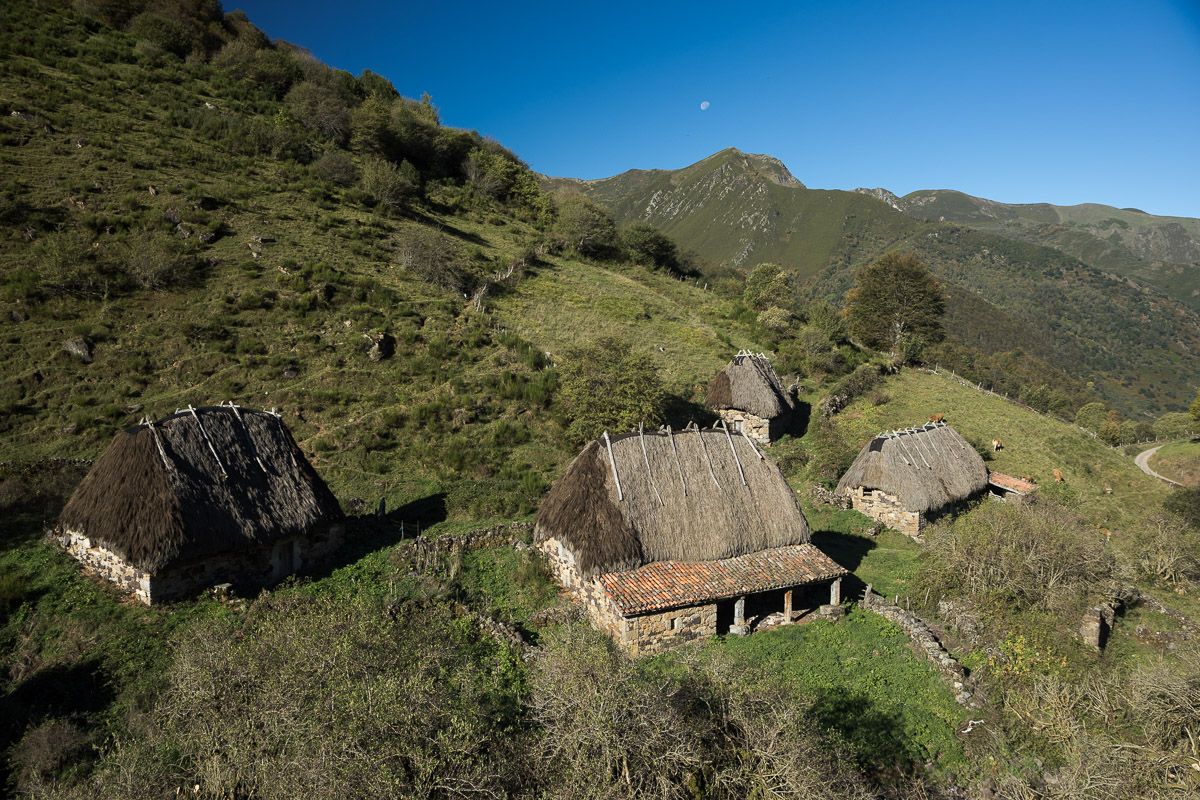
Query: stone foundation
column 760, row 431
column 247, row 570
column 884, row 507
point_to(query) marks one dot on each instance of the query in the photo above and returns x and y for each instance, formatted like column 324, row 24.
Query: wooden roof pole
column 646, row 459
column 733, row 450
column 613, row 463
column 207, row 440
column 678, row 465
column 161, row 450
column 249, row 436
column 708, row 458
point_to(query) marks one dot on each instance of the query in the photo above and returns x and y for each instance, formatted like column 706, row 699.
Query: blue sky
column 1062, row 102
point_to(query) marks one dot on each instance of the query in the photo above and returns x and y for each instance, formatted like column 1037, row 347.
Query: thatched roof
column 690, row 504
column 196, row 484
column 926, row 468
column 749, row 383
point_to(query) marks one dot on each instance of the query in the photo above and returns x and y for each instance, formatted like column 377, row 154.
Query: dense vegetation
column 193, row 213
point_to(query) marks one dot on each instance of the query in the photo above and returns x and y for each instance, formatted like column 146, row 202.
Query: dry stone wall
column 757, row 429
column 928, row 644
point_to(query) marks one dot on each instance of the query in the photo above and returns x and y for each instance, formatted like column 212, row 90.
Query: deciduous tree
column 896, row 304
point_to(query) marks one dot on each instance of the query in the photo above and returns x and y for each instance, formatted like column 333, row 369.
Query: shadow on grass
column 848, row 551
column 678, row 412
column 877, row 736
column 366, row 533
column 78, row 690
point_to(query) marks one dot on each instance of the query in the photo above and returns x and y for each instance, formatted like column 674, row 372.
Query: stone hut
column 748, row 396
column 903, row 477
column 675, row 535
column 203, row 497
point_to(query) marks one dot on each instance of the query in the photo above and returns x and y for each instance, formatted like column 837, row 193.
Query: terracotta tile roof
column 1010, row 483
column 672, row 584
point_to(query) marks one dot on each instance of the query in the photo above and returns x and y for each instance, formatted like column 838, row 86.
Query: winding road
column 1143, row 462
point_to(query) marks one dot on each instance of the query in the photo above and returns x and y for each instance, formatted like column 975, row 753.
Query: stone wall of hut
column 647, row 633
column 757, row 429
column 886, row 508
column 107, row 565
column 247, row 569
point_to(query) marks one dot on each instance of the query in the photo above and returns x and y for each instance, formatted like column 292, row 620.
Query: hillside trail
column 1143, row 462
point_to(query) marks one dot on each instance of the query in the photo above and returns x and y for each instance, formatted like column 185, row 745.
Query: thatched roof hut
column 749, row 383
column 683, row 496
column 924, row 468
column 200, row 482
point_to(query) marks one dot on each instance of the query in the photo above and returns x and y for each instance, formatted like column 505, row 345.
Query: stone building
column 203, row 497
column 676, row 535
column 749, row 396
column 904, row 477
column 1010, row 487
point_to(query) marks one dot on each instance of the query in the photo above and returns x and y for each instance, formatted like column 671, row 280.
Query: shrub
column 337, row 168
column 646, row 244
column 389, row 185
column 605, row 386
column 1039, row 556
column 585, row 228
column 320, row 109
column 435, row 258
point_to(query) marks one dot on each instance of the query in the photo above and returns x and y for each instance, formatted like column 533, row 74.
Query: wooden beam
column 787, row 607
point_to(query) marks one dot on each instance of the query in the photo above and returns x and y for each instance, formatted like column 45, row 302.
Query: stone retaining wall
column 758, row 429
column 928, row 644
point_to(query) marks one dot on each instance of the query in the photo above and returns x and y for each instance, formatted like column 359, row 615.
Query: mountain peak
column 761, row 164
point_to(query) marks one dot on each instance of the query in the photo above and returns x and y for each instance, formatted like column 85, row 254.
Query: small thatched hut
column 672, row 535
column 206, row 496
column 902, row 477
column 749, row 396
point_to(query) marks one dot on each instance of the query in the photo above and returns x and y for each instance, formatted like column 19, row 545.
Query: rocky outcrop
column 382, row 346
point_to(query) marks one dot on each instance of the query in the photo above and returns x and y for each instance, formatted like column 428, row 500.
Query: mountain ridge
column 1131, row 321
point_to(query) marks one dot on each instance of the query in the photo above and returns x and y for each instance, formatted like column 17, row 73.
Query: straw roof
column 926, row 468
column 199, row 483
column 749, row 383
column 681, row 498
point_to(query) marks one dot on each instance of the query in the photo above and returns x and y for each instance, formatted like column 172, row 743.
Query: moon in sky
column 704, row 105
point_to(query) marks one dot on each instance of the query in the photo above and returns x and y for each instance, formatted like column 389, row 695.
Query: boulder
column 384, row 346
column 80, row 348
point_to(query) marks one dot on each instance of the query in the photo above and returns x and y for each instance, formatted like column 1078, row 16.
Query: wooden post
column 787, row 607
column 835, row 592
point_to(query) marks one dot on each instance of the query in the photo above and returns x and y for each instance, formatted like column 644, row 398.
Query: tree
column 896, row 304
column 320, row 109
column 767, row 285
column 1175, row 425
column 646, row 244
column 1091, row 416
column 606, row 386
column 1194, row 408
column 586, row 228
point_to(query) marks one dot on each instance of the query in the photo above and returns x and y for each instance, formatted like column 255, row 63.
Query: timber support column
column 739, row 628
column 835, row 592
column 787, row 607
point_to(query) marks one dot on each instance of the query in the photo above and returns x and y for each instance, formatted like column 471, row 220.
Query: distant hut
column 903, row 477
column 1009, row 487
column 673, row 535
column 203, row 497
column 749, row 396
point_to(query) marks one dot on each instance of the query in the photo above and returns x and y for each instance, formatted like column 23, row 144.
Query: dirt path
column 1143, row 462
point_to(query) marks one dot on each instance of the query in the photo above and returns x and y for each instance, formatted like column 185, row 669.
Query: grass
column 1179, row 461
column 863, row 681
